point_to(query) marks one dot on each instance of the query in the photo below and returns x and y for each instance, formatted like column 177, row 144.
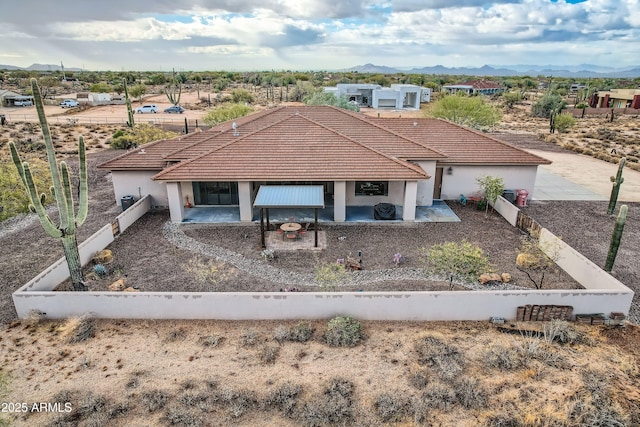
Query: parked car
column 174, row 109
column 69, row 103
column 148, row 108
column 23, row 103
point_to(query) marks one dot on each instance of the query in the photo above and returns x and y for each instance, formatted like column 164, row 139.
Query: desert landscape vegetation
column 311, row 372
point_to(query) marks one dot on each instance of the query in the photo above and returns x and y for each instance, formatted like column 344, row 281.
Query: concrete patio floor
column 438, row 212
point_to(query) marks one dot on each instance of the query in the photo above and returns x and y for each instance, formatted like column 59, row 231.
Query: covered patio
column 288, row 197
column 438, row 212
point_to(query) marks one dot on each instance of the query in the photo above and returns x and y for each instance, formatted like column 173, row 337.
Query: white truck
column 69, row 103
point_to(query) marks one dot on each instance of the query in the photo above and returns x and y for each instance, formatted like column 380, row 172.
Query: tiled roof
column 317, row 143
column 459, row 144
column 292, row 148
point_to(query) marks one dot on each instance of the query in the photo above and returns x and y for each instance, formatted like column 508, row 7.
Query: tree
column 547, row 105
column 226, row 112
column 68, row 220
column 473, row 112
column 100, row 88
column 241, row 95
column 491, row 187
column 456, row 261
column 327, row 98
column 535, row 259
column 47, row 84
column 137, row 91
column 511, row 98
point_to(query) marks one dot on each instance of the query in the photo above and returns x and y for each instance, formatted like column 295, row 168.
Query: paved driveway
column 578, row 177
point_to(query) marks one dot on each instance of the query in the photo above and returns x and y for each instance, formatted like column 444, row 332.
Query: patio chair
column 292, row 235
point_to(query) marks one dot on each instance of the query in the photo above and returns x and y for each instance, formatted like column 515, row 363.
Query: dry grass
column 401, row 373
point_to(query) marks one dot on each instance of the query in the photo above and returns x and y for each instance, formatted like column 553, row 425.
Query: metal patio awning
column 289, row 196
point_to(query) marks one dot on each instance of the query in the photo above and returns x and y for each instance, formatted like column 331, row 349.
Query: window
column 372, row 188
column 215, row 193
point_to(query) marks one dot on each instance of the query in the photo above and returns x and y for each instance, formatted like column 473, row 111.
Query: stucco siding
column 138, row 184
column 425, row 187
column 463, row 179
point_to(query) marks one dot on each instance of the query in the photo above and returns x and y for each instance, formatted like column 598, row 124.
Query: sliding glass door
column 215, row 193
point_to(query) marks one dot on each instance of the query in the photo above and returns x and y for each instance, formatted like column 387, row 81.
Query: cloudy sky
column 317, row 34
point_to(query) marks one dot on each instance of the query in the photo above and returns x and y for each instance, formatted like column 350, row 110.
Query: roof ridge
column 127, row 152
column 401, row 162
column 220, row 147
column 251, row 118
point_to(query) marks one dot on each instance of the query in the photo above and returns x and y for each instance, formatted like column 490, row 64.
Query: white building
column 398, row 96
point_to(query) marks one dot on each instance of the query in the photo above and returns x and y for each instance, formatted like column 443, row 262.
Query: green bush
column 225, row 113
column 343, row 331
column 13, row 197
column 141, row 133
column 564, row 122
column 547, row 104
column 241, row 96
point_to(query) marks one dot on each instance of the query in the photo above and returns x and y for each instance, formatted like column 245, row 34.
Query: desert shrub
column 343, row 331
column 301, row 332
column 177, row 335
column 141, row 133
column 226, row 112
column 562, row 332
column 285, row 398
column 249, row 337
column 446, row 360
column 241, row 96
column 13, row 197
column 391, row 407
column 502, row 420
column 90, row 405
column 205, row 272
column 547, row 104
column 154, row 400
column 269, row 353
column 238, row 402
column 330, row 274
column 418, row 380
column 281, row 333
column 180, row 416
column 470, row 393
column 593, row 403
column 439, row 395
column 564, row 122
column 333, row 407
column 79, row 329
column 211, row 340
column 502, row 357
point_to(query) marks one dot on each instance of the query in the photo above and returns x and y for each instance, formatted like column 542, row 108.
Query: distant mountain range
column 580, row 71
column 39, row 67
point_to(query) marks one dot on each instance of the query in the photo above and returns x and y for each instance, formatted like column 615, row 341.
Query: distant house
column 98, row 98
column 12, row 99
column 618, row 98
column 358, row 160
column 474, row 87
column 398, row 96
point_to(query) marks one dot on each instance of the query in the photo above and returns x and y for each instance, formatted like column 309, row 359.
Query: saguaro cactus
column 174, row 90
column 130, row 123
column 61, row 191
column 617, row 182
column 615, row 238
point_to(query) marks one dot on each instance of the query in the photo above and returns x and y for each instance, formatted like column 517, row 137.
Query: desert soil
column 222, row 373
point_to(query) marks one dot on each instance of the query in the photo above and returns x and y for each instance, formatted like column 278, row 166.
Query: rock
column 490, row 277
column 103, row 257
column 131, row 289
column 118, row 285
column 506, row 277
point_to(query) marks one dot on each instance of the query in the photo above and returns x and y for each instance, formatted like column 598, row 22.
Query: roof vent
column 142, row 151
column 415, row 124
column 234, row 126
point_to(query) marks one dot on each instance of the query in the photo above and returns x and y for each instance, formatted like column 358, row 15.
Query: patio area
column 438, row 212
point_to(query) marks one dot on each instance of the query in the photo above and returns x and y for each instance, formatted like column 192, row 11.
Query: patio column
column 410, row 195
column 339, row 201
column 176, row 208
column 244, row 198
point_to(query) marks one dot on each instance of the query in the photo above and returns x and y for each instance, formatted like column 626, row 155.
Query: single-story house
column 359, row 161
column 473, row 87
column 618, row 98
column 12, row 99
column 397, row 96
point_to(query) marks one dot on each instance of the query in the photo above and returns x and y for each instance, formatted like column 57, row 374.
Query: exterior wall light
column 450, row 171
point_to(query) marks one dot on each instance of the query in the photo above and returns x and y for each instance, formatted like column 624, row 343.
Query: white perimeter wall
column 463, row 179
column 603, row 294
column 127, row 183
